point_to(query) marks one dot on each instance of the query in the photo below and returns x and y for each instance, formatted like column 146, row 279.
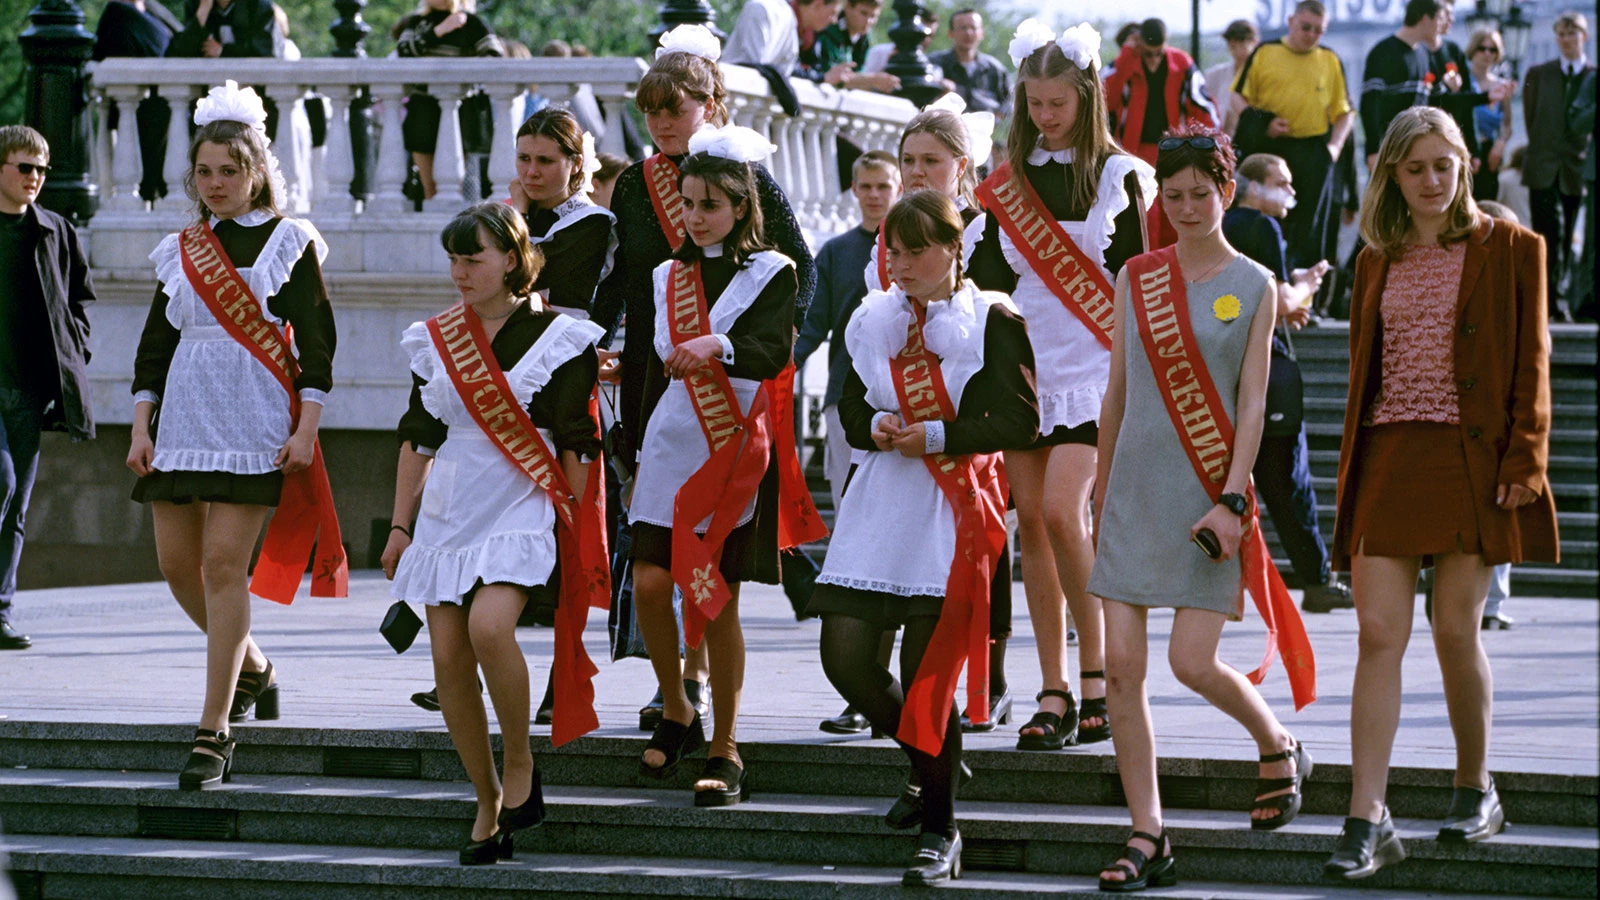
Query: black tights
column 850, row 660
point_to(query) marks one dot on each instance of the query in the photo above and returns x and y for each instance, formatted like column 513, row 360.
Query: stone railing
column 385, row 269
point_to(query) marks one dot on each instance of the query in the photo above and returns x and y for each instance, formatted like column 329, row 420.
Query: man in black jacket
column 44, row 343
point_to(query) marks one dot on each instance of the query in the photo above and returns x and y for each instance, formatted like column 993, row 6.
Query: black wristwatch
column 1237, row 504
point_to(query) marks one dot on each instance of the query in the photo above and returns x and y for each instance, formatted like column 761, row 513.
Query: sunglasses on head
column 1199, row 143
column 30, row 168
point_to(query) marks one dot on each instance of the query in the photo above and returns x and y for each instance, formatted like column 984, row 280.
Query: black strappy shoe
column 486, row 852
column 254, row 689
column 529, row 815
column 1093, row 708
column 1287, row 805
column 204, row 771
column 1054, row 737
column 736, row 783
column 1145, row 872
column 675, row 742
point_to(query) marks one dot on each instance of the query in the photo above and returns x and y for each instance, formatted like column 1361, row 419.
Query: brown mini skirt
column 1413, row 494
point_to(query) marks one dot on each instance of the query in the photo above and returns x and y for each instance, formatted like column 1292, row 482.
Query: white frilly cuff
column 933, row 436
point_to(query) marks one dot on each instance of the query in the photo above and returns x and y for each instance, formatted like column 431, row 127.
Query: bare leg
column 180, row 539
column 424, row 163
column 1384, row 589
column 1069, row 480
column 455, row 673
column 230, row 536
column 725, row 636
column 695, row 664
column 1193, row 655
column 1127, row 660
column 492, row 627
column 652, row 598
column 1026, row 470
column 1460, row 586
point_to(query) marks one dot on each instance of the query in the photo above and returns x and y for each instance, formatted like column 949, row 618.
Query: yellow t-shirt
column 1308, row 89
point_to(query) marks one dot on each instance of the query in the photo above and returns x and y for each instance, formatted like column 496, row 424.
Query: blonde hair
column 1090, row 135
column 1485, row 37
column 1385, row 218
column 948, row 129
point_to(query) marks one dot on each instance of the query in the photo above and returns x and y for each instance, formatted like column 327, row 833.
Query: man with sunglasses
column 44, row 343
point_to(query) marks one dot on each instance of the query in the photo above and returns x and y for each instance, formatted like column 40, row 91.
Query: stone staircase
column 1323, row 352
column 91, row 811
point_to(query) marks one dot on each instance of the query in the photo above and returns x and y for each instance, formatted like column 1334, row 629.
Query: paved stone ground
column 126, row 654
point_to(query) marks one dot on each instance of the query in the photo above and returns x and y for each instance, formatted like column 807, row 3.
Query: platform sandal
column 204, row 771
column 1093, row 708
column 1145, row 872
column 735, row 781
column 254, row 689
column 674, row 741
column 1287, row 805
column 1054, row 738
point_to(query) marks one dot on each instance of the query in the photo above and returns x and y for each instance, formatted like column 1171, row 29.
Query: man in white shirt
column 767, row 32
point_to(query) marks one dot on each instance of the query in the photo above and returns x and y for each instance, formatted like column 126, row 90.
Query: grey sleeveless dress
column 1145, row 557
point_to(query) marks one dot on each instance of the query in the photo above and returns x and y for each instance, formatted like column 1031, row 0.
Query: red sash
column 462, row 344
column 1160, row 307
column 305, row 509
column 1059, row 262
column 883, row 262
column 723, row 486
column 661, row 182
column 975, row 487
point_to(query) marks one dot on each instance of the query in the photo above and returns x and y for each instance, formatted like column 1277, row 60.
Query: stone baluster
column 296, row 169
column 616, row 103
column 449, row 158
column 175, row 164
column 102, row 144
column 822, row 164
column 502, row 152
column 393, row 160
column 126, row 167
column 338, row 165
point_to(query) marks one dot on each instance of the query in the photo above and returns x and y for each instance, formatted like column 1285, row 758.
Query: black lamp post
column 57, row 47
column 919, row 78
column 349, row 30
column 673, row 13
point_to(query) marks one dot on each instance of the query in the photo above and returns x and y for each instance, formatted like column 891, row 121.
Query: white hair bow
column 979, row 126
column 1080, row 44
column 591, row 164
column 732, row 142
column 694, row 39
column 1030, row 36
column 231, row 103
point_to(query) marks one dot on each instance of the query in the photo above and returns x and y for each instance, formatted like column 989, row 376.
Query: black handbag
column 1285, row 391
column 400, row 626
column 1251, row 134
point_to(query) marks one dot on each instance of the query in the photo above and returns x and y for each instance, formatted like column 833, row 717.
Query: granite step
column 1535, row 792
column 133, row 869
column 1548, row 860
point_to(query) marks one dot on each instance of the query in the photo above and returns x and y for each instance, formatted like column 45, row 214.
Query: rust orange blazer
column 1502, row 369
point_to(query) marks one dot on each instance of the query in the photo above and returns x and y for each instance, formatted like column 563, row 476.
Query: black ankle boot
column 1364, row 848
column 203, row 770
column 529, row 815
column 937, row 860
column 1474, row 815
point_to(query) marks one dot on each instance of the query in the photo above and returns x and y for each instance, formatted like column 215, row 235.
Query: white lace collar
column 572, row 204
column 1039, row 156
column 251, row 219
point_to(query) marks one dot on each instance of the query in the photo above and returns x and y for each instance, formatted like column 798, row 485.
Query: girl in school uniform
column 724, row 324
column 1064, row 214
column 922, row 525
column 490, row 526
column 225, row 410
column 555, row 166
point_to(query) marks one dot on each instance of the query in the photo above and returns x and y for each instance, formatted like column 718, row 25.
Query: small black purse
column 400, row 626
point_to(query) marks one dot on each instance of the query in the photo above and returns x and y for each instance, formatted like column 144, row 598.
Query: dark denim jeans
column 1283, row 480
column 20, row 418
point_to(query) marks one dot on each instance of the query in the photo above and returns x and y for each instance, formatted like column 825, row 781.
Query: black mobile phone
column 1206, row 540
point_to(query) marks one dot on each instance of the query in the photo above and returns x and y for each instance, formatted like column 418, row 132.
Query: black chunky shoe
column 204, row 771
column 529, row 815
column 1162, row 871
column 699, row 697
column 847, row 722
column 675, row 741
column 999, row 714
column 488, row 851
column 735, row 781
column 906, row 813
column 1055, row 737
column 254, row 689
column 1093, row 708
column 1287, row 805
column 1364, row 848
column 1474, row 816
column 938, row 860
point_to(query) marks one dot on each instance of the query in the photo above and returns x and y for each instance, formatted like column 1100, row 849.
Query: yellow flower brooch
column 1226, row 308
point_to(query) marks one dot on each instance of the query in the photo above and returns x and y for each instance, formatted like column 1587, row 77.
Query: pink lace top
column 1419, row 316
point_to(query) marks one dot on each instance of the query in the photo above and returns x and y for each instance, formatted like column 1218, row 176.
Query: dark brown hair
column 738, row 184
column 247, row 147
column 611, row 165
column 1090, row 135
column 680, row 76
column 924, row 218
column 507, row 233
column 1241, row 30
column 1216, row 164
column 562, row 127
column 22, row 139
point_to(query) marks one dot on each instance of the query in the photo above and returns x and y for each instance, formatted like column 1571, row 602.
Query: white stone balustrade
column 385, row 269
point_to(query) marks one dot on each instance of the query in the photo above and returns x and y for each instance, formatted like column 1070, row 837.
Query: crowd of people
column 1081, row 327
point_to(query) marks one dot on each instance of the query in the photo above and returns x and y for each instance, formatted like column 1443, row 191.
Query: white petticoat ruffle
column 434, row 575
